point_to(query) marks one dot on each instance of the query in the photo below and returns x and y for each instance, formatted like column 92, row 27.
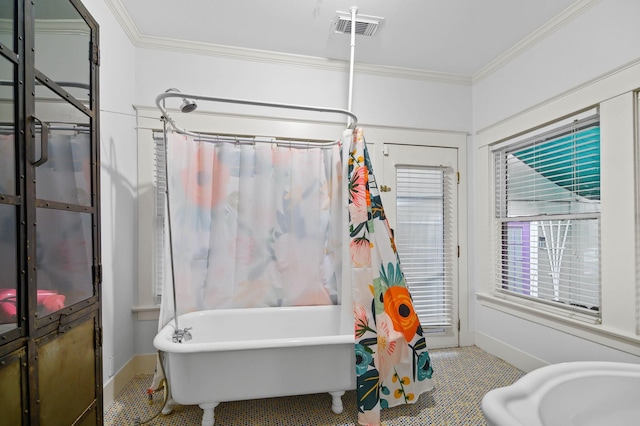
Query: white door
column 419, row 190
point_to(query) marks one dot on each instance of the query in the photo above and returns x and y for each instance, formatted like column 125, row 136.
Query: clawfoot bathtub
column 584, row 393
column 241, row 354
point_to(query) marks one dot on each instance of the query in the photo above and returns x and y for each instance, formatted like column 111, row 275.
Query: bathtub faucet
column 182, row 335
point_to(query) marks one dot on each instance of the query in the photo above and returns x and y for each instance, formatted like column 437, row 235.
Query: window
column 547, row 194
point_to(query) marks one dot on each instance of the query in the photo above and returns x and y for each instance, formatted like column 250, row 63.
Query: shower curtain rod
column 176, row 94
column 252, row 140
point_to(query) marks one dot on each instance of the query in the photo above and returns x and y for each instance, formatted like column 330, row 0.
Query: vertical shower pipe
column 168, row 205
column 179, row 335
column 346, row 293
column 354, row 11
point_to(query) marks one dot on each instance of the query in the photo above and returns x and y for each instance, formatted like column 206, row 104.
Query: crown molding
column 124, row 19
column 557, row 22
column 254, row 55
column 412, row 74
column 200, row 48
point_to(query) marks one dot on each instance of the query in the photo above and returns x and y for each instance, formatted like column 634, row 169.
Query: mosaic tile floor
column 461, row 376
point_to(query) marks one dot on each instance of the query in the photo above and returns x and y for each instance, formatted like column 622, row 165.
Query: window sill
column 593, row 331
column 147, row 313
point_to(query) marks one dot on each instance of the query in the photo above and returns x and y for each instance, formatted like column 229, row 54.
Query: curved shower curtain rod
column 173, row 93
column 181, row 335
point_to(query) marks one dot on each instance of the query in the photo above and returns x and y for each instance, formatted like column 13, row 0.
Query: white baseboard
column 519, row 359
column 139, row 364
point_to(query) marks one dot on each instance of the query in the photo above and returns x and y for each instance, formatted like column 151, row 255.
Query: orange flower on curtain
column 392, row 362
column 399, row 306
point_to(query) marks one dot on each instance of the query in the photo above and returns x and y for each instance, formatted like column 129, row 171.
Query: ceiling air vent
column 366, row 26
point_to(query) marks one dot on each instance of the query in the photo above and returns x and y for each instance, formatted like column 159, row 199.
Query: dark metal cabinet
column 50, row 268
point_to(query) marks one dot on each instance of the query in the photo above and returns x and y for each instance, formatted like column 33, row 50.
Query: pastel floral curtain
column 253, row 224
column 392, row 363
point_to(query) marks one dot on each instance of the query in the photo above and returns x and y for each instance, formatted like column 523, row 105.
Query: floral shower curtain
column 253, row 224
column 392, row 363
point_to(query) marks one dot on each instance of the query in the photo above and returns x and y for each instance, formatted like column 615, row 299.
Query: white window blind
column 548, row 217
column 160, row 214
column 425, row 241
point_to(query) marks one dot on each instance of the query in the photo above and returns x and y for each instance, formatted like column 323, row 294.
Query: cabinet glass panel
column 64, row 259
column 7, row 24
column 9, row 267
column 7, row 128
column 66, row 175
column 62, row 46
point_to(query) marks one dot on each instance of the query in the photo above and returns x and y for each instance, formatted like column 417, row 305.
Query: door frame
column 376, row 137
column 429, row 158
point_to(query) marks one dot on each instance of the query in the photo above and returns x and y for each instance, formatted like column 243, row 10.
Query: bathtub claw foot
column 336, row 401
column 207, row 413
column 168, row 407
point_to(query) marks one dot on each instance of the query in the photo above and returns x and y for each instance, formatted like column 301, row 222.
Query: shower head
column 188, row 105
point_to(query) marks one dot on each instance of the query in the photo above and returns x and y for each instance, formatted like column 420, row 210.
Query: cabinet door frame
column 22, row 341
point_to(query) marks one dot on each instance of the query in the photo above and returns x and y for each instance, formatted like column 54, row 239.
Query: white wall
column 378, row 100
column 118, row 186
column 601, row 41
column 602, row 38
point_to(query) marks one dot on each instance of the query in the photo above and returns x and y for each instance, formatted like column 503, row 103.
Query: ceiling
column 458, row 37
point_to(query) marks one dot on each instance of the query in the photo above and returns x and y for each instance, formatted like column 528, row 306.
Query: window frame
column 615, row 95
column 571, row 281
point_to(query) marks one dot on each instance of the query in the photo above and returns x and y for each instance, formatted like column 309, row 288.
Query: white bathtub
column 573, row 393
column 241, row 354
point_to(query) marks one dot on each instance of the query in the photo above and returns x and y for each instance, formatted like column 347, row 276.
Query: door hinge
column 458, row 251
column 458, row 176
column 94, row 53
column 458, row 324
column 98, row 335
column 97, row 274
